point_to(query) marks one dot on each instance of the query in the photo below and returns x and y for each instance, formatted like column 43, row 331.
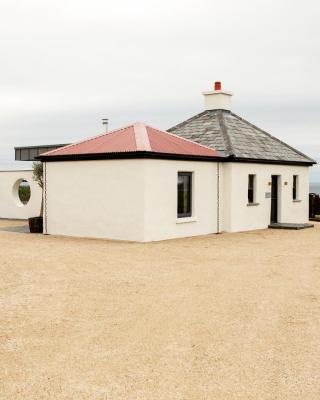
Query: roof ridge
column 141, row 137
column 89, row 139
column 273, row 137
column 225, row 135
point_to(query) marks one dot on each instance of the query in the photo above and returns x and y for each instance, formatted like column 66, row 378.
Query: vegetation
column 38, row 173
column 38, row 177
column 24, row 193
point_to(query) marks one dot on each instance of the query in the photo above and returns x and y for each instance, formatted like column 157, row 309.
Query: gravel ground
column 231, row 316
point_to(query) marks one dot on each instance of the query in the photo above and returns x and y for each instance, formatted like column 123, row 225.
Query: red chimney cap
column 217, row 85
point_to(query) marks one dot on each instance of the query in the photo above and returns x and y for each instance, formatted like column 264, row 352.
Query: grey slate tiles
column 235, row 137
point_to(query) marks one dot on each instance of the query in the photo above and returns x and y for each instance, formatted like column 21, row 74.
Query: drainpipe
column 218, row 197
column 45, row 216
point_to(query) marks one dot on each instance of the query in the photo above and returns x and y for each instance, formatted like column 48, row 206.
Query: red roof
column 137, row 137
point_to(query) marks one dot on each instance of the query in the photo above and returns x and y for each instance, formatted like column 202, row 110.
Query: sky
column 67, row 64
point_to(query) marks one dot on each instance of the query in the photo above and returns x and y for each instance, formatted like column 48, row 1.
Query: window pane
column 294, row 187
column 184, row 194
column 251, row 188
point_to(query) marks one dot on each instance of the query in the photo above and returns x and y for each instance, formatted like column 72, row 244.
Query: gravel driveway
column 230, row 316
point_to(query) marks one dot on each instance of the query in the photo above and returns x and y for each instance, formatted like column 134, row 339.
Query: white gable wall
column 238, row 216
column 10, row 205
column 98, row 199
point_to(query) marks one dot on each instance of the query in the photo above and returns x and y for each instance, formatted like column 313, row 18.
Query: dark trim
column 126, row 155
column 164, row 156
column 261, row 161
column 40, row 146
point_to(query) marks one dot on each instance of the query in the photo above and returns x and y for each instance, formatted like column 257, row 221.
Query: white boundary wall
column 10, row 205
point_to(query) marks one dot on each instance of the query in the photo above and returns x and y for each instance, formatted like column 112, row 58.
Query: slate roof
column 135, row 138
column 237, row 138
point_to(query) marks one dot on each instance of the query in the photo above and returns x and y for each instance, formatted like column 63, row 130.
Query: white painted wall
column 238, row 216
column 160, row 212
column 10, row 205
column 99, row 199
column 137, row 199
column 128, row 199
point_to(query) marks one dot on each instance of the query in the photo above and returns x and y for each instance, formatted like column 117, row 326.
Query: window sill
column 253, row 204
column 186, row 220
column 296, row 201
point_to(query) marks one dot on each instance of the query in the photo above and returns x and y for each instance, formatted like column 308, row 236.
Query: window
column 295, row 187
column 184, row 194
column 251, row 189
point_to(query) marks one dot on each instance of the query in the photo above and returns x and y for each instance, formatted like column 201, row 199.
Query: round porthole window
column 21, row 192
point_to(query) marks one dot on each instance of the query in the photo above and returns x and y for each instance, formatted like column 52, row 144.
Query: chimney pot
column 217, row 85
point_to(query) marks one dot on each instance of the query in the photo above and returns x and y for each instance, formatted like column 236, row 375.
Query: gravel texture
column 230, row 316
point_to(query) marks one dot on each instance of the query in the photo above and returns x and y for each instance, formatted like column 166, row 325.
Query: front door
column 274, row 199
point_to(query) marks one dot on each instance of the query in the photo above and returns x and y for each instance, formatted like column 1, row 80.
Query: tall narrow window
column 295, row 187
column 251, row 188
column 184, row 194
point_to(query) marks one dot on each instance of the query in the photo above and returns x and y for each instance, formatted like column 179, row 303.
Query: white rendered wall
column 128, row 199
column 238, row 216
column 99, row 199
column 161, row 220
column 10, row 205
column 137, row 199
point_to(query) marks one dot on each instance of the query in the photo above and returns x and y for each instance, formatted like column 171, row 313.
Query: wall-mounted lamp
column 285, row 184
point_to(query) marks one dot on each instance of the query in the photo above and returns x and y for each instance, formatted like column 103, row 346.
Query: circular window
column 21, row 192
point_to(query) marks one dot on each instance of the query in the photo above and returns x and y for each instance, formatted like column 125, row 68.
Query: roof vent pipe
column 105, row 123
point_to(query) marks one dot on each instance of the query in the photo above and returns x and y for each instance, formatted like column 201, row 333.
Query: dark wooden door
column 274, row 199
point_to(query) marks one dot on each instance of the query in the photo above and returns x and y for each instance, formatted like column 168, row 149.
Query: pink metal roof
column 135, row 138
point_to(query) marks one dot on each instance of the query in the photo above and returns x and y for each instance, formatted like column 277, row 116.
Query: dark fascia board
column 127, row 155
column 164, row 156
column 261, row 161
column 47, row 146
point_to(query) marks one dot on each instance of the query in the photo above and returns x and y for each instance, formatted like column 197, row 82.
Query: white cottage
column 213, row 173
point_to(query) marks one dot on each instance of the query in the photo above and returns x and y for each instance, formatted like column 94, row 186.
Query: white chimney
column 217, row 99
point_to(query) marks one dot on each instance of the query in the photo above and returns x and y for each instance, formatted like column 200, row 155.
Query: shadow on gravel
column 18, row 229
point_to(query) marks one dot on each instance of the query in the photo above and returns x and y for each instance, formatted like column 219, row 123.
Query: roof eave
column 128, row 155
column 266, row 161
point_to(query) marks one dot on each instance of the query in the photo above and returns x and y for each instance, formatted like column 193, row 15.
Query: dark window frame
column 251, row 188
column 295, row 182
column 188, row 208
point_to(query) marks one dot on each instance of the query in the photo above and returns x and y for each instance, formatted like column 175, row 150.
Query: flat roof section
column 29, row 153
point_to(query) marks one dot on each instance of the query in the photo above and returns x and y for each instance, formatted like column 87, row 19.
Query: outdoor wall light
column 285, row 184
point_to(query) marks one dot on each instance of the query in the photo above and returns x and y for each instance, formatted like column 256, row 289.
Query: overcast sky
column 67, row 64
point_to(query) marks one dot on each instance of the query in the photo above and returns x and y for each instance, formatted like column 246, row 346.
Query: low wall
column 10, row 204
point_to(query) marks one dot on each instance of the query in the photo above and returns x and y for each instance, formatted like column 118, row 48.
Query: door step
column 290, row 226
